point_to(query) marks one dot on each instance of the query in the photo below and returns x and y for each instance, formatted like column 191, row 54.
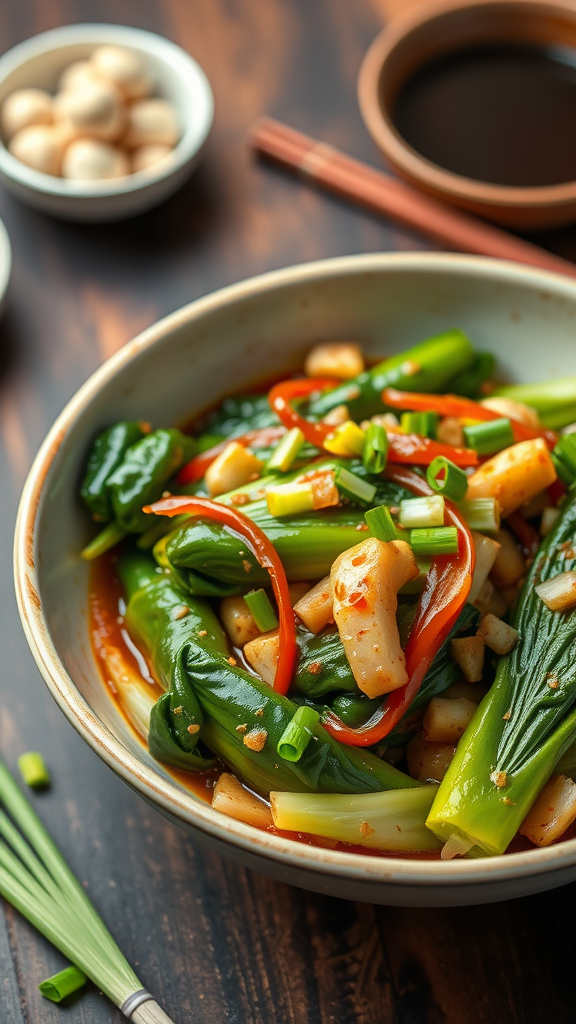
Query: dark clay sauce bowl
column 475, row 102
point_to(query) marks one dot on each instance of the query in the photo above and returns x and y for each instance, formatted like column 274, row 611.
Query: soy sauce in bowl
column 498, row 113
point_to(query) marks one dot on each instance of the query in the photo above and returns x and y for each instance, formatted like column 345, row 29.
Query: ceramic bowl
column 177, row 77
column 189, row 361
column 445, row 26
column 5, row 265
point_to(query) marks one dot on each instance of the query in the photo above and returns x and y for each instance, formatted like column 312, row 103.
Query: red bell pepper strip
column 556, row 491
column 529, row 537
column 461, row 408
column 196, row 468
column 266, row 555
column 445, row 592
column 402, row 448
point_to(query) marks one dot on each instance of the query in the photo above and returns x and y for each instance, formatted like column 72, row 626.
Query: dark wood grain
column 214, row 942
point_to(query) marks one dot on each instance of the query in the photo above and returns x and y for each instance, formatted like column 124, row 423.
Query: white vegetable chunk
column 26, row 107
column 446, row 721
column 497, row 635
column 510, row 409
column 365, row 581
column 262, row 654
column 238, row 621
column 468, row 653
column 315, row 608
column 342, row 359
column 231, row 798
column 428, row 762
column 552, row 813
column 232, row 468
column 486, row 553
column 509, row 565
column 558, row 593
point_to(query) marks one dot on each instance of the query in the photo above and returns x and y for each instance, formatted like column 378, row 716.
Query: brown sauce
column 500, row 114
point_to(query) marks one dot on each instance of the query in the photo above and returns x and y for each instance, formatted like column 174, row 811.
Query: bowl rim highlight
column 174, row 801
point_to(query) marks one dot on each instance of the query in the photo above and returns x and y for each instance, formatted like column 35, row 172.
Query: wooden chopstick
column 335, row 171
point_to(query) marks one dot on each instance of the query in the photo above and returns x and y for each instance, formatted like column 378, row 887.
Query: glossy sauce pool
column 501, row 114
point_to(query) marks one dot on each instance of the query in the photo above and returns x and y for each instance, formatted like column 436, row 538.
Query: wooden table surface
column 214, row 942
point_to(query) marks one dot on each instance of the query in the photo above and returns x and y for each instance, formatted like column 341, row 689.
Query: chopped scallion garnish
column 415, row 512
column 286, row 451
column 33, row 770
column 446, row 478
column 489, row 437
column 564, row 458
column 482, row 514
column 297, row 734
column 381, row 523
column 63, row 984
column 439, row 540
column 422, row 423
column 353, row 487
column 375, row 450
column 261, row 610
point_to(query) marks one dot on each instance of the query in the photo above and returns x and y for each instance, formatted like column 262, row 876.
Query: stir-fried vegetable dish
column 347, row 606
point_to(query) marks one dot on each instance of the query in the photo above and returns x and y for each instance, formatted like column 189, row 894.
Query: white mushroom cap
column 92, row 160
column 26, row 107
column 124, row 68
column 39, row 146
column 76, row 75
column 149, row 155
column 151, row 121
column 95, row 110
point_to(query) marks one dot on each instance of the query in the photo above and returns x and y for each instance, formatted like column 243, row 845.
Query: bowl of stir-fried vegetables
column 299, row 563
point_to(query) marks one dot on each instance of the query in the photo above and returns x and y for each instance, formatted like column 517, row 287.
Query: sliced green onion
column 423, row 423
column 381, row 523
column 261, row 610
column 286, row 451
column 297, row 734
column 108, row 538
column 289, row 499
column 375, row 451
column 63, row 984
column 489, row 437
column 562, row 469
column 353, row 487
column 446, row 478
column 347, row 440
column 416, row 512
column 565, row 453
column 33, row 770
column 482, row 514
column 440, row 540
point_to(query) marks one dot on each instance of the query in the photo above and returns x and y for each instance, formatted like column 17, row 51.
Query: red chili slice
column 267, row 557
column 464, row 408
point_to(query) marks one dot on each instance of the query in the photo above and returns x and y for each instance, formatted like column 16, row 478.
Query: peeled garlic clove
column 148, row 155
column 76, row 76
column 123, row 67
column 151, row 121
column 95, row 110
column 39, row 146
column 93, row 160
column 26, row 107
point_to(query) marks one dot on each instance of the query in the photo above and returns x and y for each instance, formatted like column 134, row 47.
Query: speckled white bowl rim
column 194, row 134
column 174, row 801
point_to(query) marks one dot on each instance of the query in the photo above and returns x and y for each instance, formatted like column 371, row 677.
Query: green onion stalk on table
column 36, row 880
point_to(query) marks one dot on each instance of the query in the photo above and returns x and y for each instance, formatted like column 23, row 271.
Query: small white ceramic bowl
column 177, row 77
column 189, row 361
